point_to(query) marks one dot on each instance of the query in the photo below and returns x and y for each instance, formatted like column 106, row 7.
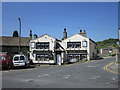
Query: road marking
column 46, row 74
column 107, row 83
column 38, row 76
column 30, row 80
column 108, row 65
column 113, row 79
column 68, row 76
column 93, row 78
column 97, row 76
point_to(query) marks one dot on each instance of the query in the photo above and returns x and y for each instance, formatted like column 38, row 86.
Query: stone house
column 10, row 45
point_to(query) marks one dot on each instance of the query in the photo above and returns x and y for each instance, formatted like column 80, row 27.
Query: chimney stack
column 64, row 34
column 30, row 34
column 35, row 36
column 83, row 33
column 80, row 31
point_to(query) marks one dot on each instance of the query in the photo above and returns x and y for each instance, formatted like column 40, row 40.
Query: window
column 22, row 58
column 84, row 43
column 16, row 58
column 44, row 57
column 2, row 58
column 32, row 45
column 42, row 45
column 73, row 44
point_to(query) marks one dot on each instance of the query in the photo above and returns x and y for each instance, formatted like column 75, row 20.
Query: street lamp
column 19, row 33
column 119, row 39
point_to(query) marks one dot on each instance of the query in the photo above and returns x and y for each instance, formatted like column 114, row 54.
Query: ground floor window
column 77, row 56
column 44, row 57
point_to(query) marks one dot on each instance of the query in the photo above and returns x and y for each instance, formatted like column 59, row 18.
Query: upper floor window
column 42, row 45
column 73, row 44
column 84, row 43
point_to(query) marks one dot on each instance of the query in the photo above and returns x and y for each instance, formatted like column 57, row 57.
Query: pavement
column 78, row 75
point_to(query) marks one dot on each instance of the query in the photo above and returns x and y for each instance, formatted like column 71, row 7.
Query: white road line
column 97, row 76
column 46, row 74
column 113, row 79
column 93, row 78
column 68, row 76
column 30, row 80
column 39, row 76
column 107, row 83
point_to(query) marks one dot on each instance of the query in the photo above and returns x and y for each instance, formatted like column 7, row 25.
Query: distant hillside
column 107, row 43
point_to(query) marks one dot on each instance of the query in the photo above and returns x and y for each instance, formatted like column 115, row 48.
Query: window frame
column 84, row 45
column 32, row 45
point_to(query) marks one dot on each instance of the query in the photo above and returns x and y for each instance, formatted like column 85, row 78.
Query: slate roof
column 14, row 41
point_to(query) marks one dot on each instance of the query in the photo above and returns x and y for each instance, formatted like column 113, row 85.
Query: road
column 85, row 75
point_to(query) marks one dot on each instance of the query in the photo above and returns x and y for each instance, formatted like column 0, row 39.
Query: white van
column 20, row 60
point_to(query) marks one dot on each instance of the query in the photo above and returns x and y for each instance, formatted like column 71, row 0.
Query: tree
column 15, row 33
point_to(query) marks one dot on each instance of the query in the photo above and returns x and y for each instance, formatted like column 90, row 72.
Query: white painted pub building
column 49, row 50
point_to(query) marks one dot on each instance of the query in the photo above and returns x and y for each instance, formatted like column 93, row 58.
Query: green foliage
column 107, row 43
column 112, row 54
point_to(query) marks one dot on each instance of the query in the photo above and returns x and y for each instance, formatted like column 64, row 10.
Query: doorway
column 58, row 57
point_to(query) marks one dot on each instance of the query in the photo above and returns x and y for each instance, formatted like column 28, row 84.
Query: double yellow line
column 107, row 66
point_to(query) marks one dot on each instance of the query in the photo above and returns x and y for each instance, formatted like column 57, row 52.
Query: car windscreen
column 16, row 58
column 2, row 58
column 22, row 58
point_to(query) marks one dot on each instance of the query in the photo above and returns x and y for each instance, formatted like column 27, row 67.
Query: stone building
column 10, row 44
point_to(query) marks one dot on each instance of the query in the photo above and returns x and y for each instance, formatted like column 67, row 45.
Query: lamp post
column 19, row 34
column 119, row 38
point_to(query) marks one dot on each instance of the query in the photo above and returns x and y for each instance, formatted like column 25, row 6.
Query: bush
column 112, row 54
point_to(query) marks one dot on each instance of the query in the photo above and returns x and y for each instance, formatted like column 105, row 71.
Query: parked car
column 20, row 60
column 5, row 62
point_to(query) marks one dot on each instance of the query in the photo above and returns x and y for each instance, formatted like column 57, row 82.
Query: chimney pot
column 30, row 33
column 84, row 31
column 80, row 31
column 64, row 34
column 35, row 36
column 64, row 29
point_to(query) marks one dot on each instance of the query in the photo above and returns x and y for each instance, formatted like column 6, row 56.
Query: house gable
column 44, row 38
column 76, row 37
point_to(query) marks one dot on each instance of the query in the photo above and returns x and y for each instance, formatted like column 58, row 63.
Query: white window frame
column 84, row 44
column 32, row 44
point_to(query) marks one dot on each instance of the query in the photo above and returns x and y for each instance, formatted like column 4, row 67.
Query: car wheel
column 8, row 67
